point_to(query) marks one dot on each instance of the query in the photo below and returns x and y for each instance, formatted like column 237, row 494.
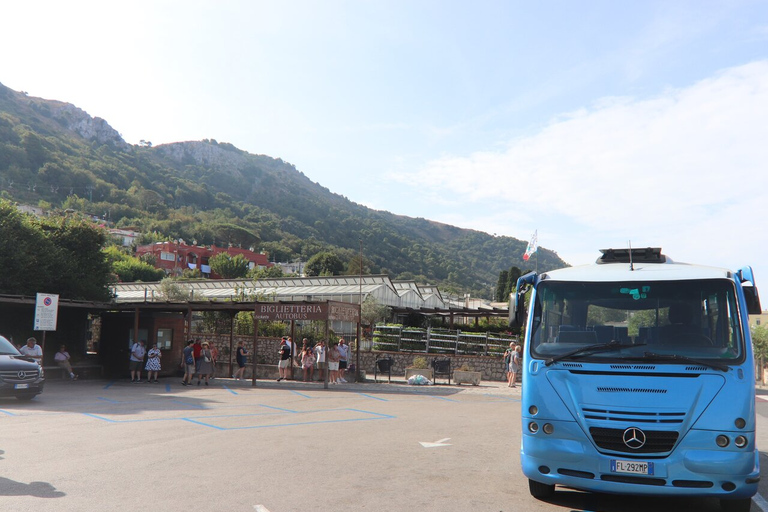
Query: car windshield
column 7, row 348
column 697, row 319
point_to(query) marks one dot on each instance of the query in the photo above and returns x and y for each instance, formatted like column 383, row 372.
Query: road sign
column 46, row 312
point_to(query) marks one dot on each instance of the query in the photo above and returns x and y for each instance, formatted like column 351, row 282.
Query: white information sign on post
column 46, row 312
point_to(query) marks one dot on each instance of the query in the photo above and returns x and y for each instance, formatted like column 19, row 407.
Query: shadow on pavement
column 582, row 501
column 37, row 489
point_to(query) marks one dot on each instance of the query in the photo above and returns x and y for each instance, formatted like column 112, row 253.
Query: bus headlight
column 533, row 427
column 533, row 410
column 722, row 441
column 548, row 428
column 740, row 441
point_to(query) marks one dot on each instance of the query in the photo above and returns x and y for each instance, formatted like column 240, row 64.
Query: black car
column 20, row 376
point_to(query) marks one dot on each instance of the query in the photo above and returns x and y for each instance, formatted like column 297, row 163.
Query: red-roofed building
column 174, row 257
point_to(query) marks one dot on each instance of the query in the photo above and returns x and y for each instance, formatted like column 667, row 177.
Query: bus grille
column 656, row 441
column 633, row 416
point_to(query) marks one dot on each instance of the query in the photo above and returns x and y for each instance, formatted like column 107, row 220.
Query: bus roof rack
column 644, row 255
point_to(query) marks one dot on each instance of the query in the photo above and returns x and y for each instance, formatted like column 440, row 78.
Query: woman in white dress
column 153, row 363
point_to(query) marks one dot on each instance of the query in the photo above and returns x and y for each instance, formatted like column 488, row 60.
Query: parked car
column 20, row 376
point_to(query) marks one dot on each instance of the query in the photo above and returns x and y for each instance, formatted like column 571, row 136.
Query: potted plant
column 465, row 374
column 419, row 366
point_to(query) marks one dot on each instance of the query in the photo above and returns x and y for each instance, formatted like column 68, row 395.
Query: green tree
column 266, row 273
column 760, row 341
column 173, row 290
column 373, row 311
column 324, row 264
column 58, row 255
column 229, row 267
column 357, row 266
column 232, row 234
column 502, row 285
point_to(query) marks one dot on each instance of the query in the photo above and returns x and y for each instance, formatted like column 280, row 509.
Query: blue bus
column 639, row 378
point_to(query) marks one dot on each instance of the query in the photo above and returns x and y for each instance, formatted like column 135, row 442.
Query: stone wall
column 267, row 354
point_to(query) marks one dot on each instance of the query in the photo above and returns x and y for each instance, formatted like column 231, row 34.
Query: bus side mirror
column 517, row 313
column 752, row 298
column 517, row 310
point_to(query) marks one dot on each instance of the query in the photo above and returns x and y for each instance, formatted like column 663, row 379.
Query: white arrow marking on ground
column 260, row 508
column 441, row 442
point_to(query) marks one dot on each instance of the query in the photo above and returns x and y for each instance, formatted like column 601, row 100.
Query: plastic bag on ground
column 419, row 380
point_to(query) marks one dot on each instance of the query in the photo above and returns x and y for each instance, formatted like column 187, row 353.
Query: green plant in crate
column 420, row 363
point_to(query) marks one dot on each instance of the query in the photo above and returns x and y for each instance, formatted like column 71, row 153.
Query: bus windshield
column 695, row 319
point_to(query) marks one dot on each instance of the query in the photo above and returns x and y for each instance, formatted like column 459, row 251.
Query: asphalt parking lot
column 277, row 447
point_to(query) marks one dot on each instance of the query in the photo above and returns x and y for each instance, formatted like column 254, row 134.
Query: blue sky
column 595, row 123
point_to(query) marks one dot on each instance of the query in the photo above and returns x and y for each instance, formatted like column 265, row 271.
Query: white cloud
column 687, row 167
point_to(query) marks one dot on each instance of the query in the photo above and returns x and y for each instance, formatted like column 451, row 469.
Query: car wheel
column 541, row 491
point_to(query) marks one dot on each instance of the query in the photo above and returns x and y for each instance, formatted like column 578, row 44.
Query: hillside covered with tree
column 54, row 155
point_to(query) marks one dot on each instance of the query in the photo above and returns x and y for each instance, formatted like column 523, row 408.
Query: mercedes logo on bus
column 634, row 438
column 22, row 375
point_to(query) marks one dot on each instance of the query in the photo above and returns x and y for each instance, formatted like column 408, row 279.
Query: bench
column 82, row 370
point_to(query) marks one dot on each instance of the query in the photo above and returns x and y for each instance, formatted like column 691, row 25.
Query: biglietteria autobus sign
column 342, row 311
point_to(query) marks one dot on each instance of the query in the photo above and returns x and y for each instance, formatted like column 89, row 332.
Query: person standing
column 320, row 353
column 62, row 359
column 153, row 363
column 205, row 368
column 214, row 357
column 137, row 360
column 508, row 362
column 333, row 364
column 514, row 367
column 343, row 355
column 197, row 347
column 33, row 350
column 240, row 358
column 307, row 363
column 188, row 363
column 283, row 365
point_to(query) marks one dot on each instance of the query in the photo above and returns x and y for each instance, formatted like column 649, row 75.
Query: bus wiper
column 685, row 359
column 592, row 349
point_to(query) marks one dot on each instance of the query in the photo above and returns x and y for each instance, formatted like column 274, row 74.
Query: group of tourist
column 333, row 359
column 198, row 360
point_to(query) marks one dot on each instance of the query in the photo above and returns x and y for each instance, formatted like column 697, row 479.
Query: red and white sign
column 46, row 312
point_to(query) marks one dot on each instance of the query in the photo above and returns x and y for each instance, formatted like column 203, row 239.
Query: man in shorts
column 136, row 360
column 188, row 363
column 343, row 356
column 322, row 365
column 284, row 364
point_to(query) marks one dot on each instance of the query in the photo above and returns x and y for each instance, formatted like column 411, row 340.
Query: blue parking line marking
column 109, row 384
column 197, row 406
column 300, row 394
column 7, row 412
column 366, row 395
column 108, row 400
column 230, row 390
column 102, row 418
column 168, row 388
column 381, row 415
column 202, row 423
column 277, row 408
column 443, row 398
